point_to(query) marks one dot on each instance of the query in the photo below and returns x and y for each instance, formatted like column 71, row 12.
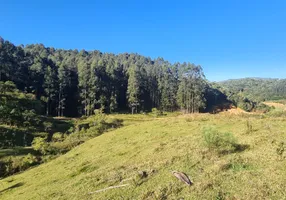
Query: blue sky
column 228, row 38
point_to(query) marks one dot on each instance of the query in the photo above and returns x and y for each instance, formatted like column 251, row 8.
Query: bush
column 246, row 105
column 30, row 118
column 85, row 129
column 48, row 126
column 68, row 143
column 16, row 164
column 28, row 161
column 261, row 107
column 156, row 112
column 58, row 137
column 40, row 144
column 220, row 141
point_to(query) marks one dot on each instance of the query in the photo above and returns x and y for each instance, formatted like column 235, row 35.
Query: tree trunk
column 47, row 109
column 59, row 107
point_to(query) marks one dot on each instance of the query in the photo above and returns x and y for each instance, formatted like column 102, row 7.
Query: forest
column 258, row 89
column 75, row 83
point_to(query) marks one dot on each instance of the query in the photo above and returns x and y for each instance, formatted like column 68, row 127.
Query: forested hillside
column 74, row 83
column 257, row 89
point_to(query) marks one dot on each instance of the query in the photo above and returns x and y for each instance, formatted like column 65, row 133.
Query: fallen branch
column 183, row 177
column 127, row 179
column 111, row 187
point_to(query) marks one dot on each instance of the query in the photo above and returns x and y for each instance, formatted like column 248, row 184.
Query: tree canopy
column 75, row 83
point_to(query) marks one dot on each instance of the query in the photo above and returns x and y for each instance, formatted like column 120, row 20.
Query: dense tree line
column 256, row 89
column 74, row 83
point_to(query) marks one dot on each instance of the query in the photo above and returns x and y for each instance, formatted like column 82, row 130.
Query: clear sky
column 228, row 38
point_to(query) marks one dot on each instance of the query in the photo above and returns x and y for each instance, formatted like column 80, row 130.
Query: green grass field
column 158, row 146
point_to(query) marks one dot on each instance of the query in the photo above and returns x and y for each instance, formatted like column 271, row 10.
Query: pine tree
column 64, row 82
column 168, row 89
column 133, row 90
column 93, row 87
column 50, row 85
column 84, row 78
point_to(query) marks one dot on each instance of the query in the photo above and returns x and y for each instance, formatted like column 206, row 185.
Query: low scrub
column 13, row 165
column 86, row 129
column 156, row 112
column 263, row 108
column 277, row 113
column 237, row 163
column 219, row 141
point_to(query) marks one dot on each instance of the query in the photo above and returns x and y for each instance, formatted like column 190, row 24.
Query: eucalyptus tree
column 191, row 89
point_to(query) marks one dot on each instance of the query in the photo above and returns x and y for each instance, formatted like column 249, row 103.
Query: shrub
column 221, row 141
column 48, row 126
column 30, row 118
column 261, row 107
column 245, row 105
column 40, row 144
column 16, row 164
column 58, row 137
column 69, row 142
column 29, row 160
column 156, row 112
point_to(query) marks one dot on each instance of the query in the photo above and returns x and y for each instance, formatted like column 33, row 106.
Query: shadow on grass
column 116, row 123
column 17, row 151
column 237, row 149
column 241, row 147
column 12, row 187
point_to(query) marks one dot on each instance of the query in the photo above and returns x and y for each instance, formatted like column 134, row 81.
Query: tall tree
column 50, row 88
column 133, row 90
column 84, row 78
column 191, row 89
column 64, row 82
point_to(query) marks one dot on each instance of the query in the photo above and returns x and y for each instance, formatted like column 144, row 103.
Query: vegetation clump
column 89, row 128
column 237, row 163
column 281, row 149
column 12, row 165
column 219, row 141
column 156, row 112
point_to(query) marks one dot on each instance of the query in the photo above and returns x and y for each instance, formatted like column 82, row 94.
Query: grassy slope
column 278, row 105
column 158, row 146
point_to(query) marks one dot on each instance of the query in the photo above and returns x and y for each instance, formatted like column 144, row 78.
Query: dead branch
column 111, row 187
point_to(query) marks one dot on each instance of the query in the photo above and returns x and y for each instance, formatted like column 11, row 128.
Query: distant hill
column 257, row 89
